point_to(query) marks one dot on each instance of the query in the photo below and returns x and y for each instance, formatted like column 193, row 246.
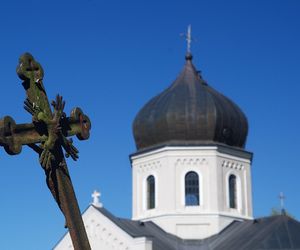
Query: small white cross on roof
column 96, row 202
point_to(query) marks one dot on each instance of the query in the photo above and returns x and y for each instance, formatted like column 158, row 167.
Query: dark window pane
column 150, row 192
column 232, row 192
column 191, row 189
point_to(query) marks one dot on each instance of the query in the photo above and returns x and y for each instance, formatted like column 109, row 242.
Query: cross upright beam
column 47, row 135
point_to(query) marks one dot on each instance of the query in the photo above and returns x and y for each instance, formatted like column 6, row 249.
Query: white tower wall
column 214, row 165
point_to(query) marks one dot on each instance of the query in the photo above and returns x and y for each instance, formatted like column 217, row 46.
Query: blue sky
column 110, row 58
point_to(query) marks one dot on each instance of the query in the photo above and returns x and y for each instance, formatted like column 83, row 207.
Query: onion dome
column 190, row 113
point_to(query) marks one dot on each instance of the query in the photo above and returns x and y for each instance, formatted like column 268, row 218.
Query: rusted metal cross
column 48, row 136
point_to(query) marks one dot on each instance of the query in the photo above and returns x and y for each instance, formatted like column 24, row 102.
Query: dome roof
column 190, row 112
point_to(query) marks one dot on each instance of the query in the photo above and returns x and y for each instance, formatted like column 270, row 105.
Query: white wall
column 103, row 234
column 169, row 165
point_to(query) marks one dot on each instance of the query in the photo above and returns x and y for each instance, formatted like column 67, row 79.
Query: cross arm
column 13, row 136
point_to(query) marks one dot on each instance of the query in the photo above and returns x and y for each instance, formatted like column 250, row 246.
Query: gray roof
column 274, row 232
column 190, row 112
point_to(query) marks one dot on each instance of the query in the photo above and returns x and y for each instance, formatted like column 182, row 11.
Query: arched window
column 232, row 191
column 150, row 192
column 191, row 189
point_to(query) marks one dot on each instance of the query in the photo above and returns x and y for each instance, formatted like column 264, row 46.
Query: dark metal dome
column 190, row 112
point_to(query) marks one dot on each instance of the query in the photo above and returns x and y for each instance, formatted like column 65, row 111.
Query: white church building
column 191, row 179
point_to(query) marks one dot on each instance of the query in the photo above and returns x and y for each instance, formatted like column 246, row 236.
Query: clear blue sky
column 110, row 58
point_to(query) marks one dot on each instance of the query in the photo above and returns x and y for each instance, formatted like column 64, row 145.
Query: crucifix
column 47, row 135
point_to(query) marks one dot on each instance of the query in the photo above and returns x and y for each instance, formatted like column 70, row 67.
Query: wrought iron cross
column 48, row 136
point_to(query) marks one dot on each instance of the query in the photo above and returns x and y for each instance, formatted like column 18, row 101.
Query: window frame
column 150, row 192
column 233, row 199
column 196, row 188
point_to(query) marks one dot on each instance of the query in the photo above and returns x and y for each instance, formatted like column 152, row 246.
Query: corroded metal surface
column 13, row 136
column 190, row 113
column 48, row 136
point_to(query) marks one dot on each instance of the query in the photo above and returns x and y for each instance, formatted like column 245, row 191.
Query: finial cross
column 96, row 201
column 188, row 37
column 281, row 198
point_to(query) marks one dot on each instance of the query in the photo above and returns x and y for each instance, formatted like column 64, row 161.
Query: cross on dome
column 189, row 38
column 281, row 198
column 96, row 201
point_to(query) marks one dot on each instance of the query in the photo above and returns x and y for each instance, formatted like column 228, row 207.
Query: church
column 191, row 179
